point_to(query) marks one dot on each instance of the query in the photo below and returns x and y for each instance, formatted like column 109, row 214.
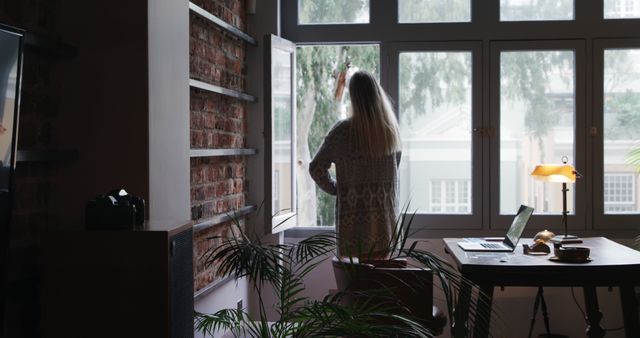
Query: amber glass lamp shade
column 558, row 173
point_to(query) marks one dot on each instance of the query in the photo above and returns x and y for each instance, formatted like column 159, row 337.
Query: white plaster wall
column 513, row 306
column 225, row 296
column 169, row 196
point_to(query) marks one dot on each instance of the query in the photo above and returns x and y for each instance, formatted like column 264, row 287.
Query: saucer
column 557, row 259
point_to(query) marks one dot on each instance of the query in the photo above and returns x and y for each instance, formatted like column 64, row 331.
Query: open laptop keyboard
column 492, row 245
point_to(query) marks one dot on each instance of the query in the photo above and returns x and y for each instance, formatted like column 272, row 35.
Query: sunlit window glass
column 433, row 11
column 536, row 10
column 537, row 125
column 435, row 110
column 282, row 133
column 318, row 12
column 621, row 130
column 621, row 9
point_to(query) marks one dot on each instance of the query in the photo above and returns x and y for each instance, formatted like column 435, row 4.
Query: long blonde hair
column 374, row 123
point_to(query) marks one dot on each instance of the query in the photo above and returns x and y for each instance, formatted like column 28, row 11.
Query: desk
column 612, row 265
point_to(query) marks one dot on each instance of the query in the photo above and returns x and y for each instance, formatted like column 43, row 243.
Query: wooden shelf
column 222, row 24
column 221, row 90
column 46, row 155
column 222, row 152
column 49, row 47
column 219, row 219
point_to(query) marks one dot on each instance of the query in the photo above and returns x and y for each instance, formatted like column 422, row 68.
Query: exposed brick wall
column 217, row 121
column 216, row 57
column 206, row 274
column 218, row 184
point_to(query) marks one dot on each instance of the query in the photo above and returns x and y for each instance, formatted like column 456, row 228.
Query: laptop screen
column 517, row 227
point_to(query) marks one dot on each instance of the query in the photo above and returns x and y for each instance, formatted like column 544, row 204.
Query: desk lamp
column 559, row 173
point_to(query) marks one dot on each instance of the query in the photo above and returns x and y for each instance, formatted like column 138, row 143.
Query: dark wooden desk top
column 611, row 264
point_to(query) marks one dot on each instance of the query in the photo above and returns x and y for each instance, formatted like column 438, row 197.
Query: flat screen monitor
column 11, row 45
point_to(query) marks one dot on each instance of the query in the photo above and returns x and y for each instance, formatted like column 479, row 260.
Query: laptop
column 510, row 240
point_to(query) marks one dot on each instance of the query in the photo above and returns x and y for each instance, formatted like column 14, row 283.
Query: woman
column 366, row 151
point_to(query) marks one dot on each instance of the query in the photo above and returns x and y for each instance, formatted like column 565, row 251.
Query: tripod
column 545, row 316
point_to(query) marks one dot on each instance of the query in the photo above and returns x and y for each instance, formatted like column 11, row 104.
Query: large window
column 484, row 91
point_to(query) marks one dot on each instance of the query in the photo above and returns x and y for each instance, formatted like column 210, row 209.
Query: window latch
column 593, row 131
column 482, row 131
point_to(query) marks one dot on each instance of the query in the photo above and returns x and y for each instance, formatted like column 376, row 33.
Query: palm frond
column 328, row 318
column 313, row 247
column 402, row 228
column 453, row 284
column 223, row 320
column 243, row 258
column 633, row 157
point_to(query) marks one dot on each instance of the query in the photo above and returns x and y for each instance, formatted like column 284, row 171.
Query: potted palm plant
column 282, row 268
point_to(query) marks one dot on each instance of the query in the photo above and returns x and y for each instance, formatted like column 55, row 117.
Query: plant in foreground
column 281, row 269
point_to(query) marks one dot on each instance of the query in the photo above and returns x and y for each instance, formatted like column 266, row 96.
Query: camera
column 114, row 210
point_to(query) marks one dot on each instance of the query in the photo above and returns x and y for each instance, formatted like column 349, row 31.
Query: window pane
column 319, row 108
column 435, row 122
column 621, row 9
column 313, row 12
column 537, row 114
column 536, row 10
column 282, row 132
column 621, row 130
column 414, row 11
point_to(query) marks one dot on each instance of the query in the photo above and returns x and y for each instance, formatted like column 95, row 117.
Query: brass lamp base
column 566, row 239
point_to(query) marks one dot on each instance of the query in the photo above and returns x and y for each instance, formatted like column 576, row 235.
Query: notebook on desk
column 506, row 244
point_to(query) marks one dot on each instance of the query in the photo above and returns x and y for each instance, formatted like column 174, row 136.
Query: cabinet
column 118, row 283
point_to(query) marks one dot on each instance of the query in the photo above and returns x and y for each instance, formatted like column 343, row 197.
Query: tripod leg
column 535, row 311
column 545, row 315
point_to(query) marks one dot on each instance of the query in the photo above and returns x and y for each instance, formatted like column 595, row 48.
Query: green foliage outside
column 333, row 11
column 434, row 10
column 536, row 10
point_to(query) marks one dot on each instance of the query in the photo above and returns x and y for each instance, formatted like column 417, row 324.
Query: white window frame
column 627, row 175
column 278, row 221
column 443, row 204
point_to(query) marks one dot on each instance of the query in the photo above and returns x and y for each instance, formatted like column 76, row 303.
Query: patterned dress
column 366, row 191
